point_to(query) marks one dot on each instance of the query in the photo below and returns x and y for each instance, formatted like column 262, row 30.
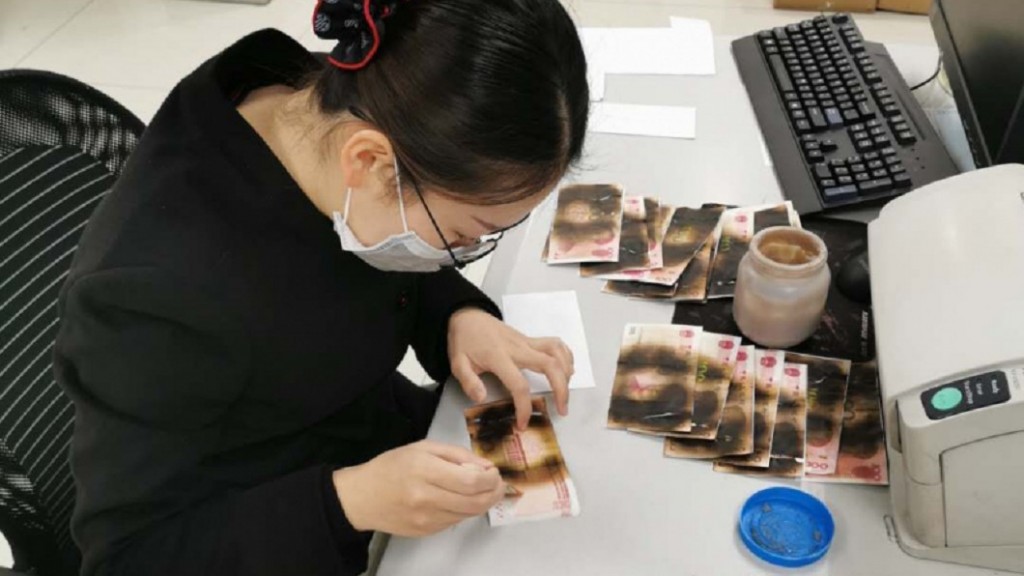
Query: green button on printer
column 947, row 399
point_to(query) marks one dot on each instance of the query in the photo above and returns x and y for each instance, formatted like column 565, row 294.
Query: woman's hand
column 480, row 343
column 418, row 489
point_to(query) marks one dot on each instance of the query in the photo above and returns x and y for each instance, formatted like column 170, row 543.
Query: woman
column 233, row 368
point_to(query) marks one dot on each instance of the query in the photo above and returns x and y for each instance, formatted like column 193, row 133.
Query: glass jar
column 781, row 287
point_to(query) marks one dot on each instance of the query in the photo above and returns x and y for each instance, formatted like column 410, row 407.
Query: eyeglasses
column 484, row 246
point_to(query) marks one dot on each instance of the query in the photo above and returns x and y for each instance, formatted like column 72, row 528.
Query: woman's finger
column 455, row 454
column 557, row 348
column 551, row 367
column 512, row 378
column 472, row 385
column 465, row 480
column 467, row 506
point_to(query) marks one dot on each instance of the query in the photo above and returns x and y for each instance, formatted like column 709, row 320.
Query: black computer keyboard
column 841, row 125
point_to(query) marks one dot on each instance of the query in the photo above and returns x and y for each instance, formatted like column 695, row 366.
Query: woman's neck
column 287, row 123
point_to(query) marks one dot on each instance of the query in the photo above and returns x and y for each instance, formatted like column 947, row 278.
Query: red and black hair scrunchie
column 357, row 25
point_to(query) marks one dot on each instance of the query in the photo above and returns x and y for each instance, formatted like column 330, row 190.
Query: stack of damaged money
column 751, row 411
column 647, row 250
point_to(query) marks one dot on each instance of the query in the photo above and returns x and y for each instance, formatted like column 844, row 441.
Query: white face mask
column 405, row 252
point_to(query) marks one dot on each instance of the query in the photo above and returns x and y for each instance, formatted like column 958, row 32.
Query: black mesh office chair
column 62, row 144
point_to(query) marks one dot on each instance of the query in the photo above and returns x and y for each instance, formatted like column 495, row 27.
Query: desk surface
column 643, row 513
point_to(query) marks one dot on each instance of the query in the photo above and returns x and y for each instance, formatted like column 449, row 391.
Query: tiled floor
column 136, row 50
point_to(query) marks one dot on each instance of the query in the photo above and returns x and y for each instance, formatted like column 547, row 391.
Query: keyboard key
column 802, row 126
column 876, row 164
column 840, row 193
column 794, row 105
column 858, row 135
column 828, row 145
column 850, row 115
column 797, row 115
column 812, row 145
column 881, row 141
column 828, row 183
column 865, row 109
column 841, row 171
column 862, row 145
column 876, row 131
column 901, row 127
column 821, row 171
column 876, row 185
column 906, row 137
column 861, row 177
column 833, row 116
column 892, row 160
column 872, row 156
column 898, row 119
column 881, row 173
column 901, row 180
column 890, row 110
column 844, row 180
column 896, row 169
column 817, row 119
column 780, row 73
column 874, row 123
column 836, row 162
column 815, row 156
column 858, row 169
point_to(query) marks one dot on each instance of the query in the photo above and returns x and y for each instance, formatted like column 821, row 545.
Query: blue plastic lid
column 786, row 527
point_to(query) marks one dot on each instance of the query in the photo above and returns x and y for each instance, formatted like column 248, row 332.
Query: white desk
column 642, row 513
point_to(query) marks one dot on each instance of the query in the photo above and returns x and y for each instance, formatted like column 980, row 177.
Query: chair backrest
column 62, row 145
column 44, row 108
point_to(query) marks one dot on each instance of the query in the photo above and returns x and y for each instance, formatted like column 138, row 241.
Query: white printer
column 947, row 284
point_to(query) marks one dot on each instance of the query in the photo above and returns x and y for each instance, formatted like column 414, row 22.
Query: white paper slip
column 551, row 314
column 700, row 39
column 637, row 120
column 647, row 51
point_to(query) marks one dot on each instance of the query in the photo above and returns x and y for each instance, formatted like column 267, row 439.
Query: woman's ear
column 366, row 158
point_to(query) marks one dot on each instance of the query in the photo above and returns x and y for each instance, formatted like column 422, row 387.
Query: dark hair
column 486, row 100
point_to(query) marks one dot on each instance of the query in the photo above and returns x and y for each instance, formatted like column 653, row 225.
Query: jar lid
column 786, row 527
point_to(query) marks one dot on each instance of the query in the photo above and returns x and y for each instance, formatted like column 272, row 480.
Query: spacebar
column 780, row 72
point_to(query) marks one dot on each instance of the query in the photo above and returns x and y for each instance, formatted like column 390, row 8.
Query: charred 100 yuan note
column 788, row 440
column 826, row 396
column 733, row 235
column 736, row 432
column 658, row 217
column 530, row 463
column 862, row 456
column 767, row 382
column 716, row 358
column 687, row 231
column 655, row 378
column 587, row 225
column 634, row 247
column 693, row 284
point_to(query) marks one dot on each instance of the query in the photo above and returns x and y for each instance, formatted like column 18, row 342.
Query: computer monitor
column 982, row 46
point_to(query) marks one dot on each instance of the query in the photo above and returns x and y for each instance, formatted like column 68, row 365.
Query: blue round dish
column 786, row 527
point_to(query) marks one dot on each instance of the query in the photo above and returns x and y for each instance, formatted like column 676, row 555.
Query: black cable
column 938, row 68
